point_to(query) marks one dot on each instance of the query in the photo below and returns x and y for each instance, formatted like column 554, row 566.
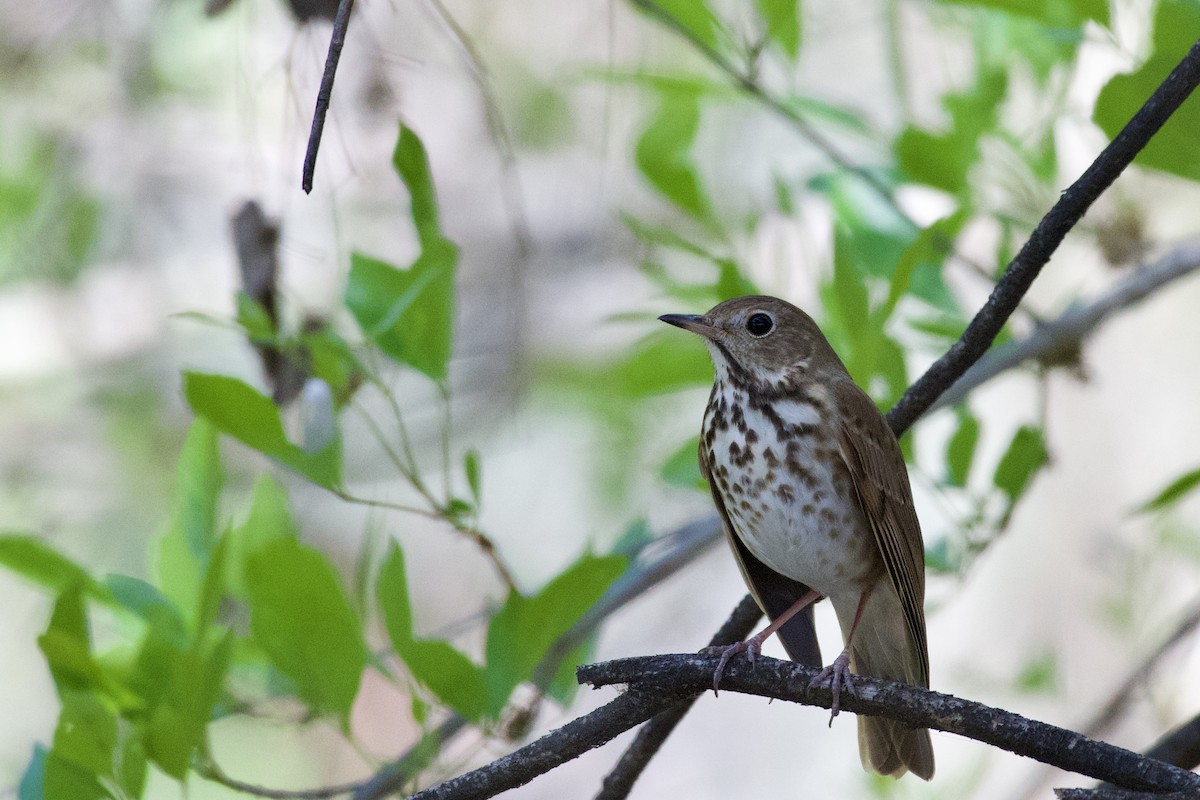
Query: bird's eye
column 760, row 324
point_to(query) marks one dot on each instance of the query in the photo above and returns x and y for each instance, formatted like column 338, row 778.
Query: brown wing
column 775, row 593
column 876, row 465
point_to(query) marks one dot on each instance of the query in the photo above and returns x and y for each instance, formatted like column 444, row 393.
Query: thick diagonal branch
column 1044, row 240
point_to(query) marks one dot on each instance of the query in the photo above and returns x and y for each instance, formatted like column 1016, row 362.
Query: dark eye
column 760, row 324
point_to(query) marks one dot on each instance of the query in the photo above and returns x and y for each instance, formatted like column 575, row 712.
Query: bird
column 815, row 500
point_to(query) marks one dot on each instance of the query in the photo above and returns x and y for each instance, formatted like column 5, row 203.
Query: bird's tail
column 883, row 648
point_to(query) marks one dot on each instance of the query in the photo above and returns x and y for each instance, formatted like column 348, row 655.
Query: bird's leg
column 753, row 646
column 838, row 672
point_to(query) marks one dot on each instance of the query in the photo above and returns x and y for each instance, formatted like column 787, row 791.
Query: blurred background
column 133, row 130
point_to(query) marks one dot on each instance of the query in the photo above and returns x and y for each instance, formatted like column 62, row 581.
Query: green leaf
column 662, row 362
column 1173, row 148
column 813, row 109
column 781, row 18
column 960, row 450
column 1040, row 674
column 237, row 410
column 1172, row 493
column 451, row 676
column 270, row 518
column 184, row 551
column 300, row 616
column 146, row 601
column 928, row 251
column 1064, row 13
column 64, row 780
column 471, row 468
column 663, row 152
column 1026, row 455
column 565, row 685
column 29, row 557
column 943, row 160
column 177, row 725
column 67, row 644
column 255, row 320
column 412, row 165
column 683, row 467
column 693, row 16
column 522, row 631
column 409, row 313
column 86, row 735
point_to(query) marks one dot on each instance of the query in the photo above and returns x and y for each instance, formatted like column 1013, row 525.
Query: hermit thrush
column 814, row 495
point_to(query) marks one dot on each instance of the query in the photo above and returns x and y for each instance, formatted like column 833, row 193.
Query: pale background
column 91, row 418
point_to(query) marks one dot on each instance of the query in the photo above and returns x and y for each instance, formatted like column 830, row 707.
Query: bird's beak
column 690, row 322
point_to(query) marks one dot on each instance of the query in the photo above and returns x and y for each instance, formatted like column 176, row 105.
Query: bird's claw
column 840, row 677
column 751, row 647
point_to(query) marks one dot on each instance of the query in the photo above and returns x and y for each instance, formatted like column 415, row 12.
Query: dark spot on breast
column 785, row 493
column 769, row 457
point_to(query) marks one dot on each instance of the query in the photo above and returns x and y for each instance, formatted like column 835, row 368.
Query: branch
column 1070, row 328
column 554, row 749
column 688, row 675
column 340, row 23
column 1045, row 239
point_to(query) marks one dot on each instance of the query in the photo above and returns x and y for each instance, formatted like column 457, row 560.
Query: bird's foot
column 839, row 676
column 751, row 647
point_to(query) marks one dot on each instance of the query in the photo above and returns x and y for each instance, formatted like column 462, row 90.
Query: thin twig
column 747, row 83
column 510, row 185
column 1070, row 328
column 210, row 771
column 1019, row 276
column 392, row 778
column 340, row 23
column 686, row 675
column 620, row 779
column 1138, row 676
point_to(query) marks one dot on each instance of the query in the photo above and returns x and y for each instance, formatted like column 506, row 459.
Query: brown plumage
column 815, row 499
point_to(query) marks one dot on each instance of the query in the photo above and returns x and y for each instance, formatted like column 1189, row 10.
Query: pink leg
column 753, row 646
column 838, row 672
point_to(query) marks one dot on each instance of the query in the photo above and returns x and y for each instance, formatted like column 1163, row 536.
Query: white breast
column 787, row 494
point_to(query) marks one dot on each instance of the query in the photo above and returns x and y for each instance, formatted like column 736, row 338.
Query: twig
column 620, row 779
column 555, row 748
column 1139, row 674
column 1019, row 276
column 392, row 777
column 687, row 675
column 497, row 129
column 212, row 772
column 340, row 23
column 1076, row 323
column 1120, row 699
